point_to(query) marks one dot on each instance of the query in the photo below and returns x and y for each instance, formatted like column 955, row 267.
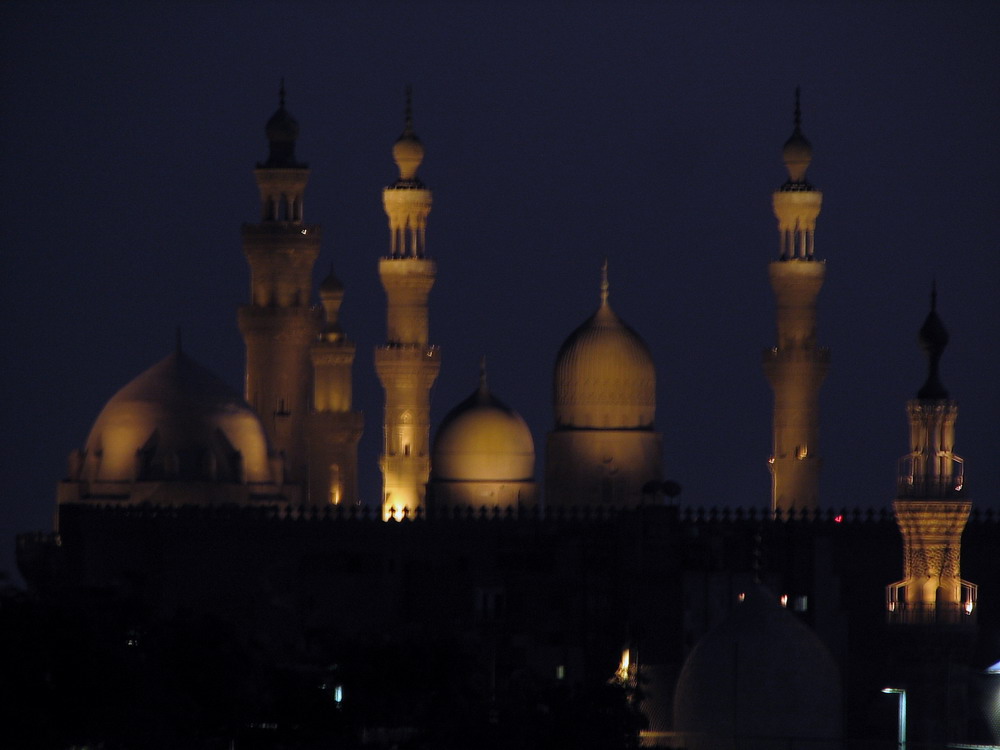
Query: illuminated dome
column 760, row 674
column 177, row 421
column 604, row 375
column 483, row 440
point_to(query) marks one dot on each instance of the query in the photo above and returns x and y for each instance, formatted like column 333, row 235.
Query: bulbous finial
column 933, row 338
column 797, row 152
column 408, row 151
column 282, row 132
column 605, row 287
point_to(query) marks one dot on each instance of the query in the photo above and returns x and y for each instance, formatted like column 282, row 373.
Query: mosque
column 731, row 629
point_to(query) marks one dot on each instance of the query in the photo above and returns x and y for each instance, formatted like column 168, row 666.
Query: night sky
column 557, row 134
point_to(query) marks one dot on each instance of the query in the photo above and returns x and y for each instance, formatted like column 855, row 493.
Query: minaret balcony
column 956, row 614
column 932, row 488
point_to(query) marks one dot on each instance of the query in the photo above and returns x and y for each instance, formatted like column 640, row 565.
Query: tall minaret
column 406, row 364
column 279, row 324
column 796, row 366
column 931, row 508
column 334, row 429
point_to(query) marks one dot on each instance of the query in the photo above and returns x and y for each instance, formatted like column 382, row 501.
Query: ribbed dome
column 482, row 439
column 604, row 376
column 177, row 421
column 760, row 674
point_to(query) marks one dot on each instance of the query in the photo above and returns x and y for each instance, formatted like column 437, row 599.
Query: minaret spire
column 407, row 364
column 484, row 385
column 605, row 288
column 279, row 324
column 930, row 505
column 797, row 365
column 408, row 115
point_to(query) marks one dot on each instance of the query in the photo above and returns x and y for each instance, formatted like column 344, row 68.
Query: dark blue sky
column 557, row 134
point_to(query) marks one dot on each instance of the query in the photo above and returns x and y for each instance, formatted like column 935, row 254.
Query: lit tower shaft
column 279, row 324
column 334, row 428
column 406, row 364
column 931, row 508
column 796, row 366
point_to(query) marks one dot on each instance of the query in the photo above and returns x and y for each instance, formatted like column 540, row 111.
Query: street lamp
column 901, row 692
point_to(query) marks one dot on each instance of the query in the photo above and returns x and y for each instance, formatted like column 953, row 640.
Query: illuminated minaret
column 279, row 324
column 334, row 429
column 407, row 365
column 931, row 508
column 796, row 366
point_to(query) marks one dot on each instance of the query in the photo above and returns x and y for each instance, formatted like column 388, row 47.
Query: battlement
column 527, row 514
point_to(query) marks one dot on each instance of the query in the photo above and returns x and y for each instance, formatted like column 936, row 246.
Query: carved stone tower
column 797, row 365
column 406, row 364
column 334, row 430
column 279, row 325
column 931, row 508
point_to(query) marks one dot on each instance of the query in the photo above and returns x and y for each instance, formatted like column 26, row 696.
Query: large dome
column 604, row 376
column 482, row 439
column 760, row 675
column 176, row 421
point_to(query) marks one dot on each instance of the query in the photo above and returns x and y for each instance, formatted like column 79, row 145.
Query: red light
column 838, row 519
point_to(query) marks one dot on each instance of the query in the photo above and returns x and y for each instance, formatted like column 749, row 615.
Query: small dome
column 482, row 439
column 604, row 375
column 760, row 674
column 177, row 421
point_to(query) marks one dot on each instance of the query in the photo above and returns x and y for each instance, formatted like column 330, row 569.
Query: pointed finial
column 798, row 108
column 408, row 115
column 483, row 382
column 281, row 94
column 604, row 282
column 933, row 295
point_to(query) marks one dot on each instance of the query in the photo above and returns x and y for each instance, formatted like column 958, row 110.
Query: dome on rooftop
column 177, row 421
column 760, row 675
column 604, row 376
column 482, row 439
